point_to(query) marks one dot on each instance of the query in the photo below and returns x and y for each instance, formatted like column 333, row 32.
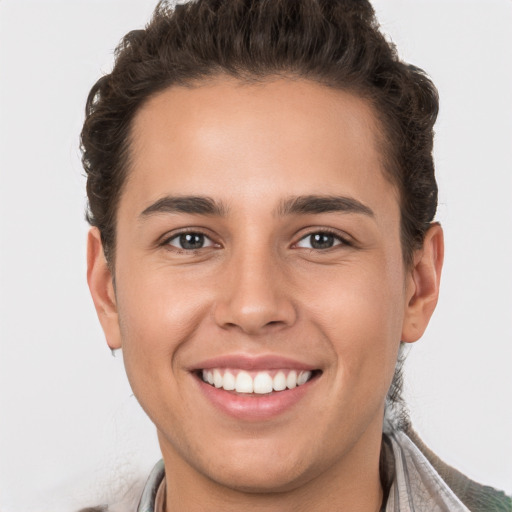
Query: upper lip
column 252, row 362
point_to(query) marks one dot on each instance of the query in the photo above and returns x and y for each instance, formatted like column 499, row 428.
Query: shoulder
column 476, row 497
column 127, row 502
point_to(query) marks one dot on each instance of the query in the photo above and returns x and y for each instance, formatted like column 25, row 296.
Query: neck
column 353, row 483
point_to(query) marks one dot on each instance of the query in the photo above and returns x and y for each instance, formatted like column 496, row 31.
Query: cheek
column 360, row 313
column 158, row 312
column 158, row 315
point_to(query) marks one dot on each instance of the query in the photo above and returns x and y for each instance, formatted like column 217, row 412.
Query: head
column 262, row 78
column 337, row 44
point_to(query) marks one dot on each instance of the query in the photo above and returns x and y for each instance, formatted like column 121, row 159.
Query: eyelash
column 338, row 240
column 341, row 241
column 176, row 236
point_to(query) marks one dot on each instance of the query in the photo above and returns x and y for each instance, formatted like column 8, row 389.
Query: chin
column 257, row 467
column 258, row 478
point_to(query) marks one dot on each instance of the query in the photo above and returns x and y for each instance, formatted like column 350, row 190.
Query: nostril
column 255, row 309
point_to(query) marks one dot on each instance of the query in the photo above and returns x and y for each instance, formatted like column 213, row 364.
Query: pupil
column 191, row 240
column 322, row 241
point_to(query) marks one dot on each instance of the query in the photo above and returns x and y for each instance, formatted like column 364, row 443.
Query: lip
column 253, row 407
column 251, row 363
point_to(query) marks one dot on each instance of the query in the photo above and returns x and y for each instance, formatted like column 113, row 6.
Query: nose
column 254, row 295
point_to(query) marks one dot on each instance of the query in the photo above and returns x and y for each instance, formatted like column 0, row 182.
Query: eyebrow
column 198, row 205
column 314, row 204
column 302, row 205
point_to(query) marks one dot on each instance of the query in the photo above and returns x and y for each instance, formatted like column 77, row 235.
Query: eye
column 190, row 241
column 320, row 240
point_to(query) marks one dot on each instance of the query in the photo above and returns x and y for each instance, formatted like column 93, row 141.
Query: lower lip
column 254, row 407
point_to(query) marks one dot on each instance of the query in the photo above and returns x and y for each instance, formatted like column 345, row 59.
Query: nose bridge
column 254, row 298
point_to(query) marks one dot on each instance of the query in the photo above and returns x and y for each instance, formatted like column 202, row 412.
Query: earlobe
column 101, row 286
column 423, row 285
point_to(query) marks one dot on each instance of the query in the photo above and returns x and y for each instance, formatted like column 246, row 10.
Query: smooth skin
column 258, row 282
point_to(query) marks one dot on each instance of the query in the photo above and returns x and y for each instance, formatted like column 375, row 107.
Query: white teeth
column 208, row 376
column 243, row 383
column 261, row 383
column 291, row 380
column 279, row 383
column 303, row 378
column 229, row 381
column 217, row 378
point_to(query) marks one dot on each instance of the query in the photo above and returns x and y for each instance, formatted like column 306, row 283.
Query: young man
column 262, row 195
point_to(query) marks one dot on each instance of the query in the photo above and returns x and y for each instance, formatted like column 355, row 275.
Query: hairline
column 382, row 139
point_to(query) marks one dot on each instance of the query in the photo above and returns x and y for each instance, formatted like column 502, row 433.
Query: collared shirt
column 154, row 486
column 415, row 486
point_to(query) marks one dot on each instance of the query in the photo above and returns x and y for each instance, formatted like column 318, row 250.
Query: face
column 258, row 248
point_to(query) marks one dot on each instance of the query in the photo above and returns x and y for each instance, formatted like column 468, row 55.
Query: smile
column 255, row 382
column 255, row 388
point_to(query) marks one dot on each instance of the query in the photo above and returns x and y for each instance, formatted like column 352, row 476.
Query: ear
column 422, row 286
column 101, row 286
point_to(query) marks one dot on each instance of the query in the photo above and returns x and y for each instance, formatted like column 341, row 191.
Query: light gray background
column 71, row 433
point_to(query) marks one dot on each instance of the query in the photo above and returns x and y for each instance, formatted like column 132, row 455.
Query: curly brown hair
column 334, row 42
column 337, row 43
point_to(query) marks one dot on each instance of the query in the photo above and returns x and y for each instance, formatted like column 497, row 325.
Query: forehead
column 233, row 140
